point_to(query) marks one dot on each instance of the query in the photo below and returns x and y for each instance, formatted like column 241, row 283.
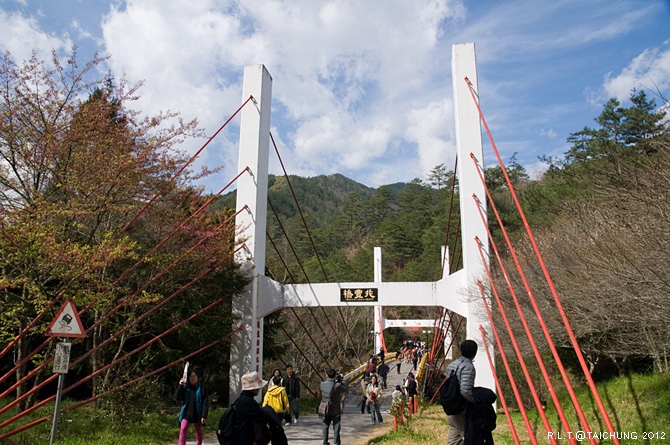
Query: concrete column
column 246, row 352
column 378, row 323
column 469, row 140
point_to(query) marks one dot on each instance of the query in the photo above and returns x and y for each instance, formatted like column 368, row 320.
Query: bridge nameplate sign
column 358, row 295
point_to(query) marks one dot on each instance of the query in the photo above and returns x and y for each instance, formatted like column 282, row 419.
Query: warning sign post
column 66, row 324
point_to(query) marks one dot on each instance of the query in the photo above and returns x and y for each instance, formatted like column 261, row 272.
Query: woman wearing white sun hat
column 249, row 412
column 255, row 425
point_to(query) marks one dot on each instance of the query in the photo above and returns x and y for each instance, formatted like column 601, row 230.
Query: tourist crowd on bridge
column 247, row 422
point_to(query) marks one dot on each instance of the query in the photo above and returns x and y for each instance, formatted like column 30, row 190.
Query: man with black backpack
column 463, row 371
column 245, row 422
column 333, row 391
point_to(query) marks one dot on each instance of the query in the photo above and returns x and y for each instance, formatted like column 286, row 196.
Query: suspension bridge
column 467, row 296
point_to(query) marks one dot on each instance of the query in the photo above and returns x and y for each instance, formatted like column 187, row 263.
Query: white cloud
column 360, row 88
column 346, row 74
column 21, row 35
column 430, row 128
column 648, row 71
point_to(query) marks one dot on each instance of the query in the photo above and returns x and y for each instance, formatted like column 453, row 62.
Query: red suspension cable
column 536, row 309
column 518, row 353
column 510, row 375
column 179, row 172
column 550, row 282
column 92, row 399
column 500, row 393
column 439, row 368
column 524, row 322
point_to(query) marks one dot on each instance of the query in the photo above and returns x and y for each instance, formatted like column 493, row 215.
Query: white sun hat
column 251, row 380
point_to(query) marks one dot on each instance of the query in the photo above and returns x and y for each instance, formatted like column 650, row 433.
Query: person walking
column 374, row 394
column 333, row 390
column 411, row 387
column 194, row 398
column 415, row 357
column 464, row 370
column 292, row 385
column 277, row 399
column 365, row 381
column 371, row 367
column 255, row 425
column 382, row 371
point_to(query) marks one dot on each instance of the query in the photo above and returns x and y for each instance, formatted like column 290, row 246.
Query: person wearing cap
column 250, row 418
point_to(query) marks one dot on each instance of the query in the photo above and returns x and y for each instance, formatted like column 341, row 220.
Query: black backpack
column 227, row 426
column 450, row 395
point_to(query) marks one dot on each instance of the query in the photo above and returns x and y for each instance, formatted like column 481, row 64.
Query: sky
column 363, row 88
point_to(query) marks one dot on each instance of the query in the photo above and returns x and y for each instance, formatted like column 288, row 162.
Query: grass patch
column 90, row 426
column 638, row 404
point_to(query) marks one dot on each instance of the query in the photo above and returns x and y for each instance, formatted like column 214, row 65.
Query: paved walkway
column 354, row 425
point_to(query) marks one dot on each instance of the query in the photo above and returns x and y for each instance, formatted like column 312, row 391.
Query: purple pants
column 184, row 429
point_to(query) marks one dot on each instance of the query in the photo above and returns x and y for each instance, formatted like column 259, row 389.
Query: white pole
column 246, row 352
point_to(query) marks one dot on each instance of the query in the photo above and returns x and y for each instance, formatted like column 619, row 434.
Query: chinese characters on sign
column 358, row 295
column 62, row 358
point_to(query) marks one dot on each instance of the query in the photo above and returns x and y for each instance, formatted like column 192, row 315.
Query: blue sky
column 363, row 88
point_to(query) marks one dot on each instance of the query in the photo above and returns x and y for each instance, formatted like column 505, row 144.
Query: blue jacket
column 193, row 408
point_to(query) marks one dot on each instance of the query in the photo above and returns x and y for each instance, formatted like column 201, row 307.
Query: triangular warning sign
column 67, row 323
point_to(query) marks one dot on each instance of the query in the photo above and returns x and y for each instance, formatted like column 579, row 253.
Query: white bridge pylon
column 457, row 292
